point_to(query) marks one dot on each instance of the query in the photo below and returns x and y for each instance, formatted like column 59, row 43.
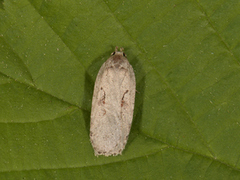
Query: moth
column 112, row 105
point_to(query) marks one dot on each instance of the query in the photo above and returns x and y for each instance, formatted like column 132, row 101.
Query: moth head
column 121, row 53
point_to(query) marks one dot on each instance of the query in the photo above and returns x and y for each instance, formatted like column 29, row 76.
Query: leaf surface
column 186, row 59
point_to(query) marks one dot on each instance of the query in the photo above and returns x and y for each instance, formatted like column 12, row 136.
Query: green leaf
column 187, row 112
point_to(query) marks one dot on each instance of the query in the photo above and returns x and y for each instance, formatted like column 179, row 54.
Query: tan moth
column 112, row 105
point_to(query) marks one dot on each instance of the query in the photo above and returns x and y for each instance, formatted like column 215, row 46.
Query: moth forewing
column 112, row 105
